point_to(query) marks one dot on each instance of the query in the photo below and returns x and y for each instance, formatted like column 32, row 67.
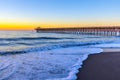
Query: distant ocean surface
column 28, row 55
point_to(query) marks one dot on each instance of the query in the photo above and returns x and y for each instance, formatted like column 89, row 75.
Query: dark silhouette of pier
column 107, row 31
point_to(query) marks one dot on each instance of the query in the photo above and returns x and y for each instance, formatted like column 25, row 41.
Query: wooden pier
column 106, row 31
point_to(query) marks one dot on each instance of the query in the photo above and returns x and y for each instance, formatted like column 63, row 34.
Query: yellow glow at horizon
column 32, row 26
column 15, row 27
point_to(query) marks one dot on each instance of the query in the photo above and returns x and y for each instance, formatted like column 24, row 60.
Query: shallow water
column 27, row 55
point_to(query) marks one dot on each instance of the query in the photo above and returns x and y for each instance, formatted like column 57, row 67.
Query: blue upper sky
column 60, row 11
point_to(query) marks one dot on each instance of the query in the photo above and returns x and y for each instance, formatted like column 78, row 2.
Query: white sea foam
column 58, row 64
column 76, row 51
column 110, row 45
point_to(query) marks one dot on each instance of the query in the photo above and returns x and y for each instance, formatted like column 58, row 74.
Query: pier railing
column 106, row 31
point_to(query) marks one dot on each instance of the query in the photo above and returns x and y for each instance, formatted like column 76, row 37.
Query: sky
column 28, row 14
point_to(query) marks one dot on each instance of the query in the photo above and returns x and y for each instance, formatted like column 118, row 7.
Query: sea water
column 27, row 55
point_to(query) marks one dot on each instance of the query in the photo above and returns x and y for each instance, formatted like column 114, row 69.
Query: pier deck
column 107, row 31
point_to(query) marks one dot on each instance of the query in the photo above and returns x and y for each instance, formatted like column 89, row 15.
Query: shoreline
column 111, row 49
column 102, row 66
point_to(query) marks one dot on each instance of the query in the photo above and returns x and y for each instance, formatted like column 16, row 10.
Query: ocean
column 28, row 55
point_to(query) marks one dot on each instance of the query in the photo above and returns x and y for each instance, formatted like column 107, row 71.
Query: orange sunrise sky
column 29, row 14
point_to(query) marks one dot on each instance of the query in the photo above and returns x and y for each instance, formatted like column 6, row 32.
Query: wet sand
column 103, row 66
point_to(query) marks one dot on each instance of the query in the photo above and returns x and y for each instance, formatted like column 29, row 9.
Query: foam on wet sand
column 104, row 66
column 57, row 64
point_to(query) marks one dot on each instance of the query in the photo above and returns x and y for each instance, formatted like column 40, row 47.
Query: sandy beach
column 103, row 66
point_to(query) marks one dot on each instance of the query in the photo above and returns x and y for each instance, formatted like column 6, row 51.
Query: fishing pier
column 106, row 31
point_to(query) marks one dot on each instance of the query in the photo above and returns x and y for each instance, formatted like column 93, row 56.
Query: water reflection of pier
column 107, row 31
